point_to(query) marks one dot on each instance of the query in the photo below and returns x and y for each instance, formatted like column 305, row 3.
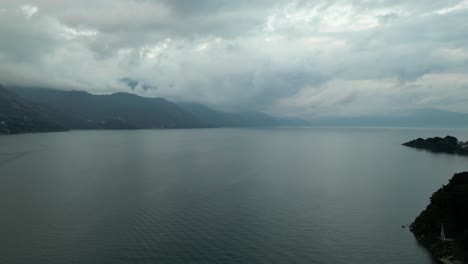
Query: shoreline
column 447, row 208
column 442, row 252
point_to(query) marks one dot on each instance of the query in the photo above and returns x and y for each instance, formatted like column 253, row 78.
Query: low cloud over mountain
column 296, row 58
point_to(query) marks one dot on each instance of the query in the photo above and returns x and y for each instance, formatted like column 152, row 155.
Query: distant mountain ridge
column 413, row 117
column 242, row 119
column 53, row 110
column 83, row 110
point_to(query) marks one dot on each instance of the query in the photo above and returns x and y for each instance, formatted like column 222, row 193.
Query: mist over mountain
column 242, row 119
column 252, row 131
column 402, row 118
column 40, row 109
column 82, row 110
column 293, row 57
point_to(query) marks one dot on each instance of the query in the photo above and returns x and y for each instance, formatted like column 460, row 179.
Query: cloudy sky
column 299, row 58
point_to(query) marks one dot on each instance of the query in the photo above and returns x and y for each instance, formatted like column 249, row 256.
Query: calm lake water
column 276, row 195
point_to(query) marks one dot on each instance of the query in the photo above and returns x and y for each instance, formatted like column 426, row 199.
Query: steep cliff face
column 448, row 208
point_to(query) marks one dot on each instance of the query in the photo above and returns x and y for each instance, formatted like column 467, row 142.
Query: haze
column 294, row 58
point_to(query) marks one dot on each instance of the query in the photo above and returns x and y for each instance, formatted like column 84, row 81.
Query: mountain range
column 82, row 110
column 26, row 109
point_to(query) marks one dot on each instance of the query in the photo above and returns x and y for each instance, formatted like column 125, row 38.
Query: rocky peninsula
column 447, row 144
column 443, row 226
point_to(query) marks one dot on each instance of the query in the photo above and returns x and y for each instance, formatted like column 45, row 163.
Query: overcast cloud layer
column 299, row 58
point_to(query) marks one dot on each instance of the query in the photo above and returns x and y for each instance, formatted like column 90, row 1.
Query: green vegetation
column 20, row 116
column 82, row 110
column 448, row 207
column 448, row 144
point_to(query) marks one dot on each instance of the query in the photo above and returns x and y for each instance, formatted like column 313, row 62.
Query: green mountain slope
column 18, row 115
column 82, row 110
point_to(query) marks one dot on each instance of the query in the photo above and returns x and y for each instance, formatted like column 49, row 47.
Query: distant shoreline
column 228, row 127
column 449, row 145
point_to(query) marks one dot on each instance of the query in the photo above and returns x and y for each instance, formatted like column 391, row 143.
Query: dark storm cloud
column 292, row 57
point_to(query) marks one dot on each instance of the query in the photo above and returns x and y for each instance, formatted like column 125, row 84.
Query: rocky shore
column 443, row 226
column 448, row 144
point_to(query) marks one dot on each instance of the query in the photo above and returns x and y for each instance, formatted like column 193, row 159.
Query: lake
column 253, row 195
